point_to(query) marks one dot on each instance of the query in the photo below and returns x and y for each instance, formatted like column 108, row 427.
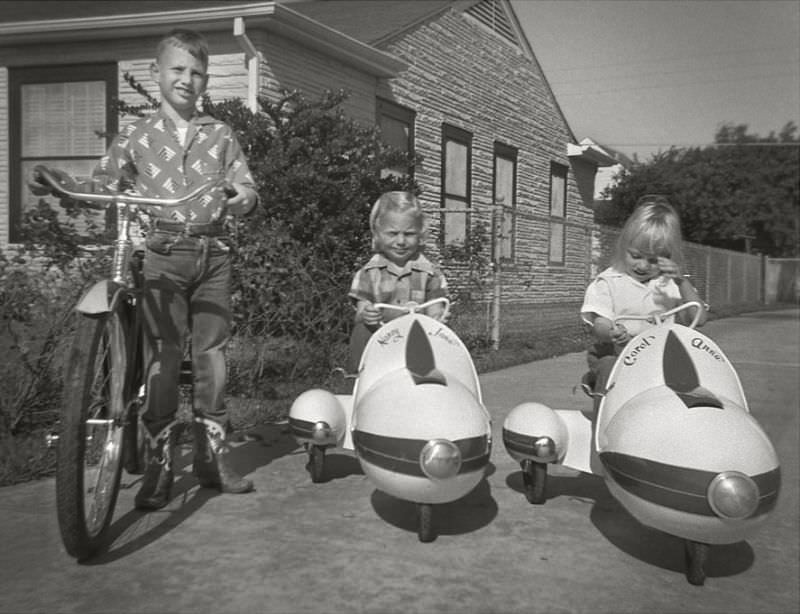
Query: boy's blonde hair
column 401, row 202
column 653, row 228
column 183, row 38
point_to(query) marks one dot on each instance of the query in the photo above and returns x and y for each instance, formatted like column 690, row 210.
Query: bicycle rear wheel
column 92, row 421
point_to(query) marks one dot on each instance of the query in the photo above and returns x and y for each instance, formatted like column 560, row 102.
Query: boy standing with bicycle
column 187, row 264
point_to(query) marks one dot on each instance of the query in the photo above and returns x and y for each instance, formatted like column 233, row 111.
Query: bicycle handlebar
column 110, row 199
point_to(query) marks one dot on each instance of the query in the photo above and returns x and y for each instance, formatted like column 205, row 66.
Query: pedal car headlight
column 733, row 495
column 440, row 459
column 544, row 449
column 322, row 434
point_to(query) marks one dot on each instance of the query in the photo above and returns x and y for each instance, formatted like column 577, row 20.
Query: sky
column 643, row 75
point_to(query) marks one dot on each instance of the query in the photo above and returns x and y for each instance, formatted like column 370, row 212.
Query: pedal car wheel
column 696, row 558
column 316, row 463
column 534, row 477
column 425, row 522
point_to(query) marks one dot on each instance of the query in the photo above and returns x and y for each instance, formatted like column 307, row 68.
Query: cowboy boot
column 158, row 477
column 211, row 465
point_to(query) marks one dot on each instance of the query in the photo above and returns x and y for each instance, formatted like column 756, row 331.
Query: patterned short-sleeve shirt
column 382, row 281
column 150, row 156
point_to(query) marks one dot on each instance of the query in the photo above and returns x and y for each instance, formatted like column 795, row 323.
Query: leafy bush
column 25, row 457
column 39, row 285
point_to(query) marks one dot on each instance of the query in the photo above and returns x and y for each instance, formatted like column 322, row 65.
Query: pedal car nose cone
column 733, row 495
column 440, row 459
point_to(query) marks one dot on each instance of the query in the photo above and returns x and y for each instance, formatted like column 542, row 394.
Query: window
column 558, row 199
column 456, row 176
column 56, row 114
column 396, row 124
column 505, row 194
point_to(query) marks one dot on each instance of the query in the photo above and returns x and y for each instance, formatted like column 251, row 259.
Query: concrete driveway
column 341, row 546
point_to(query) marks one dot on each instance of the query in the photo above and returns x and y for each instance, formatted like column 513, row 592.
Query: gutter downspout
column 252, row 62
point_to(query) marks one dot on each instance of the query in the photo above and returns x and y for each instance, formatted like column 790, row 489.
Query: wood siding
column 461, row 74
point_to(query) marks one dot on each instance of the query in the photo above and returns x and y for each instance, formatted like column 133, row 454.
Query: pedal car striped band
column 679, row 488
column 519, row 443
column 402, row 455
column 301, row 428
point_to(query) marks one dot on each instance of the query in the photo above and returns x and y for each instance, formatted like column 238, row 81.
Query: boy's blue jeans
column 187, row 288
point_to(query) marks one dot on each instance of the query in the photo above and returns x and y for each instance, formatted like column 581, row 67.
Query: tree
column 744, row 189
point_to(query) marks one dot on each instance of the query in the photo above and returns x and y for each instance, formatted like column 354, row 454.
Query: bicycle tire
column 93, row 416
column 135, row 446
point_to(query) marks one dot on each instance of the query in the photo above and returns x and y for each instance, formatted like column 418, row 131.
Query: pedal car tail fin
column 420, row 361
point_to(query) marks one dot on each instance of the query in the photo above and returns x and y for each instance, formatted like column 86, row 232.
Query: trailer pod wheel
column 425, row 522
column 534, row 477
column 316, row 463
column 696, row 559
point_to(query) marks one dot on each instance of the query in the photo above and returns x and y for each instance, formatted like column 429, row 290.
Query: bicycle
column 103, row 382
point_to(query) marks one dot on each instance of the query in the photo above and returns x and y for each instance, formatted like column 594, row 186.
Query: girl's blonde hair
column 653, row 228
column 400, row 202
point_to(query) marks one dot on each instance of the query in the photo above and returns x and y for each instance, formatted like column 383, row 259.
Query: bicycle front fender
column 100, row 298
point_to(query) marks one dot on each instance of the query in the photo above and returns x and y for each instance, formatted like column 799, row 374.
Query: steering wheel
column 658, row 318
column 417, row 307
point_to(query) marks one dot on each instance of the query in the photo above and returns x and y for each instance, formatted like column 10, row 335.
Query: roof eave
column 268, row 16
column 591, row 154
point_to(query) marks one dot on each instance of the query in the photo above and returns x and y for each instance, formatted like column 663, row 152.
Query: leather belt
column 210, row 229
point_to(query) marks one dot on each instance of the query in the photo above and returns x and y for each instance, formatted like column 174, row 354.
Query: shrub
column 318, row 173
column 24, row 457
column 40, row 283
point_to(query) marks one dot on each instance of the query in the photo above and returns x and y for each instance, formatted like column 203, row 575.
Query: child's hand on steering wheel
column 371, row 315
column 620, row 334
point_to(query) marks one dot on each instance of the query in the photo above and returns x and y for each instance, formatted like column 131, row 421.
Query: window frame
column 51, row 74
column 557, row 220
column 392, row 110
column 511, row 154
column 463, row 137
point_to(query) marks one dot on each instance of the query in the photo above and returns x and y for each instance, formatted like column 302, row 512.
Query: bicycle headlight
column 440, row 459
column 733, row 495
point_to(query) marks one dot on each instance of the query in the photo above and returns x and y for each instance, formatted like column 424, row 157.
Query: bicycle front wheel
column 90, row 440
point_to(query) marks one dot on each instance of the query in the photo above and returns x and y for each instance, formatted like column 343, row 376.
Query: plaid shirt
column 382, row 281
column 149, row 156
